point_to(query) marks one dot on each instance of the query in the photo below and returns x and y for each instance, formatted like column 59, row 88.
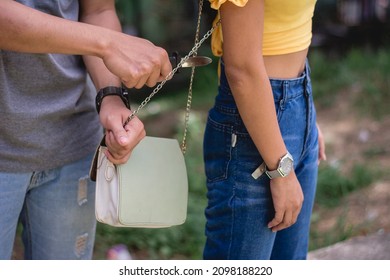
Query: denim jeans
column 239, row 206
column 56, row 209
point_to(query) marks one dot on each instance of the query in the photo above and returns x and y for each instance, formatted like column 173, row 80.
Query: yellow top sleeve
column 216, row 4
column 216, row 37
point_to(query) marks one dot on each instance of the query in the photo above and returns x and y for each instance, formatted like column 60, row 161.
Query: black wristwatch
column 119, row 91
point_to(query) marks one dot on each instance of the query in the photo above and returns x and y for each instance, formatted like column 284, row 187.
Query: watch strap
column 273, row 174
column 259, row 171
column 111, row 90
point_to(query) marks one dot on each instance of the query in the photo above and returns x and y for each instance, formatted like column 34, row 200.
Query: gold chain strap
column 189, row 98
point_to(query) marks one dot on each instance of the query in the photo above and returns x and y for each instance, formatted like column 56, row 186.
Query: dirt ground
column 352, row 138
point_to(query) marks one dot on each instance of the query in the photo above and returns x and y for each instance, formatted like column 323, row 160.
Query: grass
column 365, row 73
column 339, row 232
column 333, row 185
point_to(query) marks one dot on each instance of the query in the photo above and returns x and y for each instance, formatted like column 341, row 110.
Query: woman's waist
column 285, row 66
column 282, row 88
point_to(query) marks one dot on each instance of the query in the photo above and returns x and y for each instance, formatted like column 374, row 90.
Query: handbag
column 151, row 189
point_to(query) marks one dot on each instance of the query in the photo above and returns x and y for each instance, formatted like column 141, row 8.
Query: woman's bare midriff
column 285, row 66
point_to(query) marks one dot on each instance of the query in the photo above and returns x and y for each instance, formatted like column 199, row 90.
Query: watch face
column 286, row 165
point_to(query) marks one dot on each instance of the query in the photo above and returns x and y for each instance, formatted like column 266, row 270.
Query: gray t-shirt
column 48, row 116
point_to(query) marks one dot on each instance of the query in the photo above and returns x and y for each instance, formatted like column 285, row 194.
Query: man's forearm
column 135, row 61
column 106, row 18
column 24, row 29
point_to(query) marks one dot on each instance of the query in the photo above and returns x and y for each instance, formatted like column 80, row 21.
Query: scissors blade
column 193, row 61
column 196, row 61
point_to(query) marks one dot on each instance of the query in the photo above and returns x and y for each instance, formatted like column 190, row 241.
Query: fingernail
column 123, row 139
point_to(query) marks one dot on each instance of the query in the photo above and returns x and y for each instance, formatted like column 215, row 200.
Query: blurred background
column 350, row 61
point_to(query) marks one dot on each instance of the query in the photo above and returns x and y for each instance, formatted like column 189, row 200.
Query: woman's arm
column 244, row 65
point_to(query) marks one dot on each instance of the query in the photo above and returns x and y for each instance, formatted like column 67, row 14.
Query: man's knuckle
column 162, row 52
column 156, row 61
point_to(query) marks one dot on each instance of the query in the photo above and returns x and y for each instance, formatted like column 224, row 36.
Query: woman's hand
column 321, row 145
column 287, row 197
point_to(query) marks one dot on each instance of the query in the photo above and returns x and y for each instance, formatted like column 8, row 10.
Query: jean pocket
column 217, row 150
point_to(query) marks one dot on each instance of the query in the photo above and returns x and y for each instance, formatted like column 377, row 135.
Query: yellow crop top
column 287, row 25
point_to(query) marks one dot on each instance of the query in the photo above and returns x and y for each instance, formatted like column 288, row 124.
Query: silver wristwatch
column 286, row 164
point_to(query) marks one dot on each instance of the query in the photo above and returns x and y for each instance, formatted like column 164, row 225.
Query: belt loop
column 286, row 85
column 307, row 77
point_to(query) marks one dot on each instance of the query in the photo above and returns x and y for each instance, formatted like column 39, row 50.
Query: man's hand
column 136, row 61
column 120, row 140
column 287, row 197
column 133, row 61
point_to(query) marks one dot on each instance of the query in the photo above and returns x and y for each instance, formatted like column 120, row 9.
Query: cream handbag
column 150, row 190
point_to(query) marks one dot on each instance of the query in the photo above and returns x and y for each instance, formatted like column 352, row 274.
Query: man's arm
column 100, row 13
column 113, row 113
column 111, row 57
column 134, row 60
column 27, row 30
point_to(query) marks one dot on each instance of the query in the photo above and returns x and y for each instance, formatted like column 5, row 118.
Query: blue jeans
column 239, row 206
column 56, row 208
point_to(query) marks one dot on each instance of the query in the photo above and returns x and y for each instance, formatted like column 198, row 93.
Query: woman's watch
column 111, row 90
column 286, row 164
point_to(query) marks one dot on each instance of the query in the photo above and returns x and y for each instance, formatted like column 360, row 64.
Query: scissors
column 193, row 61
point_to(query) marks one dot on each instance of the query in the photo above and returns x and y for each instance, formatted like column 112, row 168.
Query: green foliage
column 339, row 232
column 167, row 23
column 328, row 77
column 373, row 76
column 333, row 185
column 365, row 73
